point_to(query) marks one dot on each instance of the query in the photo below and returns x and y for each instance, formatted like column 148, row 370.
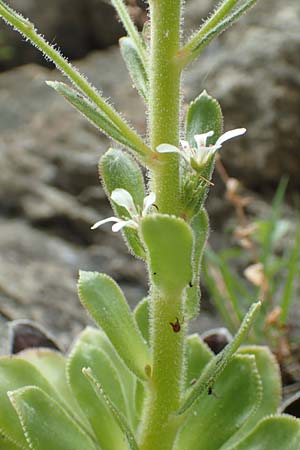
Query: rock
column 50, row 196
column 77, row 30
column 253, row 70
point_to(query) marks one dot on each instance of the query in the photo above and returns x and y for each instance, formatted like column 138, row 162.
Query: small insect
column 176, row 326
column 210, row 391
column 191, row 284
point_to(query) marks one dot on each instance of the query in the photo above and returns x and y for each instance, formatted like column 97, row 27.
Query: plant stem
column 164, row 101
column 160, row 425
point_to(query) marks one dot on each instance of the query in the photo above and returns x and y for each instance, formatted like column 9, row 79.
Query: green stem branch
column 130, row 28
column 27, row 29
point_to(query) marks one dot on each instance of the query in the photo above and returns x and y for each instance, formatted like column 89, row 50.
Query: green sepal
column 119, row 170
column 273, row 433
column 269, row 374
column 142, row 316
column 135, row 66
column 97, row 339
column 169, row 242
column 224, row 409
column 200, row 228
column 106, row 303
column 107, row 432
column 217, row 365
column 198, row 355
column 45, row 424
column 92, row 112
column 118, row 416
column 204, row 115
column 16, row 373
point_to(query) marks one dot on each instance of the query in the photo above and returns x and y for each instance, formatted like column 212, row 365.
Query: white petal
column 230, row 135
column 123, row 223
column 202, row 138
column 101, row 222
column 124, row 198
column 167, row 148
column 148, row 202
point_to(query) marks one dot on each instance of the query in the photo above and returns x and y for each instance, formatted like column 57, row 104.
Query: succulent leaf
column 169, row 242
column 216, row 366
column 16, row 373
column 200, row 227
column 106, row 430
column 117, row 414
column 224, row 409
column 46, row 425
column 204, row 115
column 141, row 315
column 106, row 303
column 273, row 433
column 135, row 66
column 198, row 356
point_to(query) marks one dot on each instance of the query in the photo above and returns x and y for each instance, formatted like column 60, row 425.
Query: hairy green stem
column 27, row 29
column 164, row 101
column 160, row 423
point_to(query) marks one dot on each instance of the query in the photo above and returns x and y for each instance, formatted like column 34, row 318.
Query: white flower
column 123, row 198
column 198, row 156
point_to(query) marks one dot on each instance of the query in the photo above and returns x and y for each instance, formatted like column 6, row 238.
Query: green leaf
column 52, row 365
column 106, row 303
column 141, row 315
column 169, row 242
column 135, row 66
column 8, row 444
column 83, row 355
column 97, row 117
column 204, row 115
column 45, row 424
column 229, row 20
column 98, row 339
column 118, row 416
column 273, row 433
column 119, row 170
column 216, row 366
column 200, row 227
column 16, row 373
column 269, row 374
column 221, row 412
column 198, row 355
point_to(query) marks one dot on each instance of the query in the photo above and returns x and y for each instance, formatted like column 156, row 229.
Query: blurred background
column 49, row 189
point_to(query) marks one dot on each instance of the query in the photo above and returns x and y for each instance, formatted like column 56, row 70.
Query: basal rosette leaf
column 46, row 425
column 224, row 409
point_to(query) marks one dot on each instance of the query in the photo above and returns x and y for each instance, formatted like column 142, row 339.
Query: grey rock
column 77, row 29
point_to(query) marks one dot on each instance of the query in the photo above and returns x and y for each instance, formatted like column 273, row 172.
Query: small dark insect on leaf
column 154, row 273
column 191, row 284
column 176, row 326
